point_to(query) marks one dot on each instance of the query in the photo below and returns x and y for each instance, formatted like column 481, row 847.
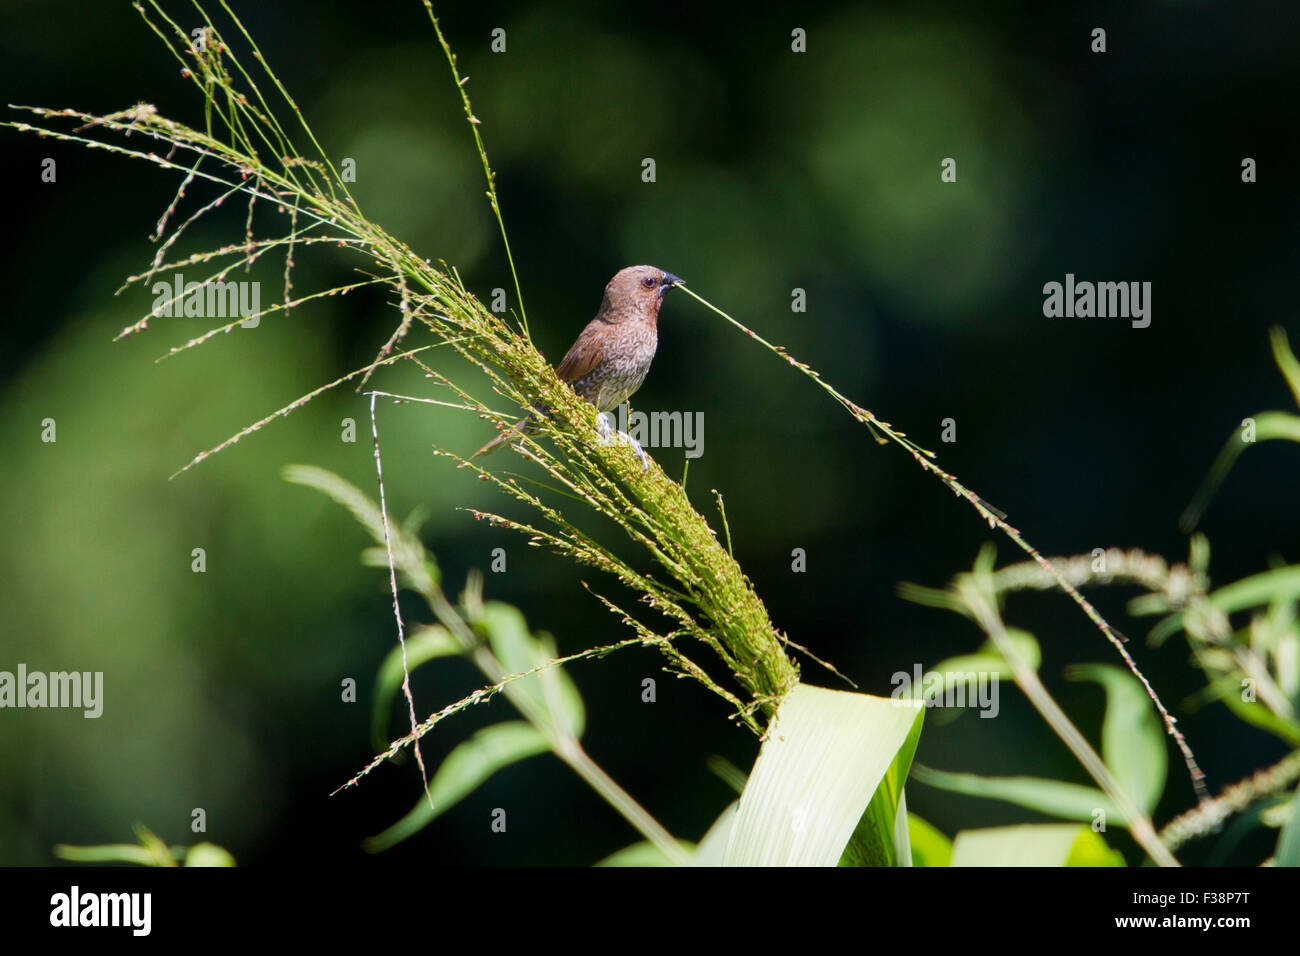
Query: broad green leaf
column 824, row 757
column 422, row 646
column 550, row 690
column 1132, row 736
column 881, row 838
column 1070, row 801
column 1034, row 844
column 1090, row 849
column 713, row 846
column 465, row 768
column 929, row 846
column 644, row 853
column 1288, row 842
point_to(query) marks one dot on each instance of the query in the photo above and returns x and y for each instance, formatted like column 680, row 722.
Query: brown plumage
column 612, row 355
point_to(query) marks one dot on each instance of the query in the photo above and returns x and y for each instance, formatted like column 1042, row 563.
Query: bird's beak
column 668, row 281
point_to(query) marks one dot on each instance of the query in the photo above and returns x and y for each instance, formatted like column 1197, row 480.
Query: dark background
column 775, row 170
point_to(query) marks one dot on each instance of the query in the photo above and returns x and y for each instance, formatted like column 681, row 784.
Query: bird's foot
column 605, row 427
column 640, row 452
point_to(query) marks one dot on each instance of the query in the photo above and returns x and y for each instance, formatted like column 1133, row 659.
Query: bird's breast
column 626, row 352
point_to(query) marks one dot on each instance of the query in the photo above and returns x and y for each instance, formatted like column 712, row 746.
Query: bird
column 611, row 356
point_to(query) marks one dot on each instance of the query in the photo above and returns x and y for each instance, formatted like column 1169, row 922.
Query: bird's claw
column 640, row 452
column 605, row 427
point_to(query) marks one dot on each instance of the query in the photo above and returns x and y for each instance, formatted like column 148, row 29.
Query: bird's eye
column 648, row 282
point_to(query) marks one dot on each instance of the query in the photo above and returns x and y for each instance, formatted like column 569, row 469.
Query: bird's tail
column 511, row 434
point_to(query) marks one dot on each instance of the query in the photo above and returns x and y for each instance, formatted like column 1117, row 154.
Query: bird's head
column 637, row 292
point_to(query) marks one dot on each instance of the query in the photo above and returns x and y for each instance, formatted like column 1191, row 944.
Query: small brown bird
column 612, row 355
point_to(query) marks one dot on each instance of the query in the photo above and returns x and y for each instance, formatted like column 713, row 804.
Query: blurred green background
column 775, row 170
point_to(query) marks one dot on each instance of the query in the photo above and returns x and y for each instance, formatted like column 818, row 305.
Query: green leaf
column 1288, row 841
column 1227, row 690
column 161, row 852
column 956, row 682
column 208, row 854
column 1286, row 360
column 108, row 853
column 150, row 851
column 1165, row 628
column 1268, row 426
column 713, row 846
column 409, row 556
column 929, row 846
column 942, row 598
column 1278, row 584
column 727, row 772
column 824, row 757
column 550, row 691
column 902, row 849
column 1132, row 736
column 644, row 853
column 423, row 645
column 989, row 660
column 1033, row 844
column 343, row 492
column 881, row 836
column 1069, row 801
column 986, row 560
column 465, row 768
column 1258, row 590
column 1090, row 849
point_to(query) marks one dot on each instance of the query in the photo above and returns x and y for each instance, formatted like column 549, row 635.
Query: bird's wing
column 581, row 357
